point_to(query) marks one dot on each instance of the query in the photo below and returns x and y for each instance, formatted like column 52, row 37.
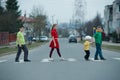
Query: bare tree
column 88, row 27
column 79, row 15
column 80, row 10
column 97, row 21
column 40, row 18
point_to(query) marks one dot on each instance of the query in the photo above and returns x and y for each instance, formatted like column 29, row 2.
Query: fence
column 12, row 37
column 6, row 38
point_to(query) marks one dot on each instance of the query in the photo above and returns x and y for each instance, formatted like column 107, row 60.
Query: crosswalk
column 69, row 59
column 116, row 58
column 1, row 61
column 92, row 59
column 45, row 60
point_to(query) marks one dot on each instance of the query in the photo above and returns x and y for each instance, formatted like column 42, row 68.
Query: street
column 73, row 68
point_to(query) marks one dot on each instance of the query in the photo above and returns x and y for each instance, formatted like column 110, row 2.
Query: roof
column 27, row 19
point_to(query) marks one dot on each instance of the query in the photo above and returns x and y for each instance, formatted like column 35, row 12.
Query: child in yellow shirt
column 87, row 47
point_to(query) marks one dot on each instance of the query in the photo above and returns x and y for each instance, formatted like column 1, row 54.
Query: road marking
column 116, row 58
column 71, row 59
column 21, row 61
column 45, row 60
column 1, row 61
column 92, row 59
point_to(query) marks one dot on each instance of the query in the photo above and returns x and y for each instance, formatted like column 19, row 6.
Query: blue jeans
column 98, row 51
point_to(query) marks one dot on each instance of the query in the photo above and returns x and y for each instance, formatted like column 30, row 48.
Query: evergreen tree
column 1, row 10
column 11, row 22
column 12, row 6
column 1, row 16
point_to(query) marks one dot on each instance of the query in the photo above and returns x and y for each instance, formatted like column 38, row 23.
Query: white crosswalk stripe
column 92, row 59
column 71, row 60
column 116, row 58
column 1, row 61
column 45, row 60
column 21, row 61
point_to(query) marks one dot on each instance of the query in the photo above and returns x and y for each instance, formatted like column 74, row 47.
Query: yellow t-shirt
column 21, row 38
column 86, row 45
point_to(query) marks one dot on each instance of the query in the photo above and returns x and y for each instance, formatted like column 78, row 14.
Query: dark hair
column 54, row 26
column 99, row 27
column 21, row 27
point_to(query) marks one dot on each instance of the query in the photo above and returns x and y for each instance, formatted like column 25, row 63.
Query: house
column 112, row 21
column 28, row 24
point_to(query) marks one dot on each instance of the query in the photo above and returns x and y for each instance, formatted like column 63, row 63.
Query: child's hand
column 92, row 43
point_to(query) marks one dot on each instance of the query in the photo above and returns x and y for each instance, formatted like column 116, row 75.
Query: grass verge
column 111, row 47
column 13, row 49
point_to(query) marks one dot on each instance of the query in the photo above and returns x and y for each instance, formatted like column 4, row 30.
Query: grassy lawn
column 13, row 49
column 111, row 47
column 107, row 47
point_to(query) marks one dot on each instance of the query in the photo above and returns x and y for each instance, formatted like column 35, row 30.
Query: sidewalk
column 110, row 43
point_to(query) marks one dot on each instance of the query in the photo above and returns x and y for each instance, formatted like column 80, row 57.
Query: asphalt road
column 73, row 68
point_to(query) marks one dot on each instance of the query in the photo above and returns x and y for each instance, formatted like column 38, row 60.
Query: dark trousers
column 98, row 51
column 51, row 52
column 24, row 48
column 87, row 54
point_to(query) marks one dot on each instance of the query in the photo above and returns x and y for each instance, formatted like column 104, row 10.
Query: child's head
column 88, row 38
column 99, row 29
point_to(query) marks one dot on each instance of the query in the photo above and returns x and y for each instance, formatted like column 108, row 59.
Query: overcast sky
column 63, row 9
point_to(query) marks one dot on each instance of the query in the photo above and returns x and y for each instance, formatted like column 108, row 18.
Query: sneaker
column 50, row 59
column 103, row 59
column 27, row 60
column 96, row 59
column 17, row 61
column 62, row 59
column 87, row 59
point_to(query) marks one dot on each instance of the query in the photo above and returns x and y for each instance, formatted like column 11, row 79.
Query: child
column 87, row 47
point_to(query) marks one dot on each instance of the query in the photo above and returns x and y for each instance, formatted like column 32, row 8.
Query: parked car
column 33, row 39
column 43, row 38
column 73, row 39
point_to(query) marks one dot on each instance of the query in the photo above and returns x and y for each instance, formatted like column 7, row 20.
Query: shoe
column 27, row 60
column 103, row 59
column 87, row 59
column 96, row 59
column 62, row 59
column 50, row 59
column 17, row 61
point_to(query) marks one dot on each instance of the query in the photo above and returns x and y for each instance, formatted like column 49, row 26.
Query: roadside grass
column 13, row 49
column 107, row 47
column 111, row 47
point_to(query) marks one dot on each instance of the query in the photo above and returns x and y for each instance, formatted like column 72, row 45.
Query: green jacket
column 98, row 37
